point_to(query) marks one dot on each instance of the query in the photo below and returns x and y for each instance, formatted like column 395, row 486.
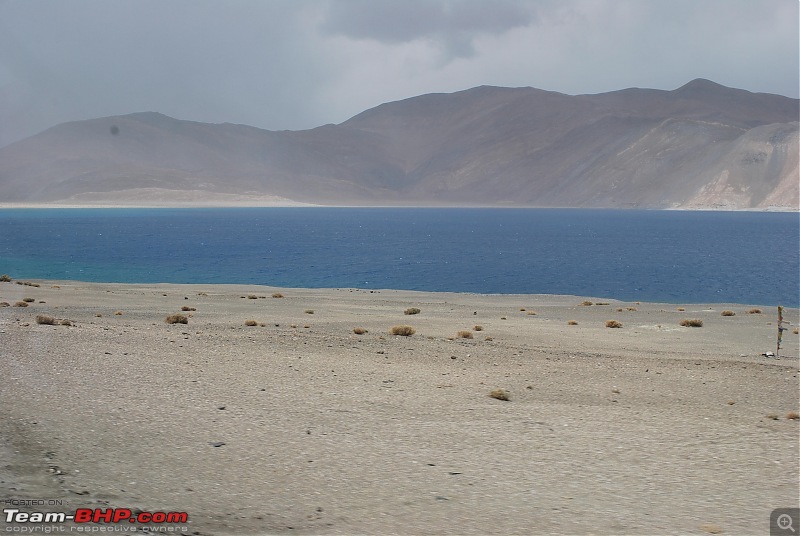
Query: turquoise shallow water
column 663, row 256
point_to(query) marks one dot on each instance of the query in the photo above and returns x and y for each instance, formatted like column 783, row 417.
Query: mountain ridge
column 702, row 145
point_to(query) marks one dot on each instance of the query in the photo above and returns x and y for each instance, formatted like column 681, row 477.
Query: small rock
column 216, row 443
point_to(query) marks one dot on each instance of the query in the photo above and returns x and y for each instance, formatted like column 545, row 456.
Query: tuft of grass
column 5, row 278
column 412, row 311
column 755, row 311
column 692, row 323
column 465, row 334
column 118, row 313
column 28, row 300
column 250, row 323
column 587, row 303
column 681, row 309
column 572, row 322
column 309, row 311
column 478, row 328
column 277, row 295
column 500, row 394
column 21, row 304
column 45, row 319
column 177, row 318
column 531, row 313
column 252, row 297
column 728, row 313
column 404, row 331
column 187, row 308
column 613, row 324
column 793, row 416
column 360, row 331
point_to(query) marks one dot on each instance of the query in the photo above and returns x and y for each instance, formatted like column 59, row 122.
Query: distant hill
column 702, row 145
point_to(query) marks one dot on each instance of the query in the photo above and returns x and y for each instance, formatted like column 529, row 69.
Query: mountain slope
column 700, row 146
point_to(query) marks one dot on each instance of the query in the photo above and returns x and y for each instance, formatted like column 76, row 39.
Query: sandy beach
column 298, row 425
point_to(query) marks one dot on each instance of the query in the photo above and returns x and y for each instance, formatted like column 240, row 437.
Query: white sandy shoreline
column 653, row 428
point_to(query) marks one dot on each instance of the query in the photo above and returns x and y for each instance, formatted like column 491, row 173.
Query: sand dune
column 301, row 426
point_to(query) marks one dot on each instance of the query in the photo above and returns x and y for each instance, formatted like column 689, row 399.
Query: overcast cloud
column 295, row 64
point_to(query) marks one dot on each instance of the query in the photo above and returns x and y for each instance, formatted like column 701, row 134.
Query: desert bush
column 405, row 331
column 411, row 311
column 359, row 331
column 118, row 313
column 754, row 311
column 793, row 416
column 309, row 311
column 728, row 313
column 187, row 308
column 692, row 323
column 176, row 319
column 5, row 304
column 500, row 394
column 632, row 309
column 65, row 322
column 587, row 303
column 465, row 334
column 28, row 300
column 602, row 303
column 681, row 309
column 613, row 324
column 5, row 278
column 20, row 304
column 572, row 322
column 531, row 313
column 250, row 323
column 478, row 328
column 490, row 339
column 252, row 297
column 45, row 319
column 277, row 295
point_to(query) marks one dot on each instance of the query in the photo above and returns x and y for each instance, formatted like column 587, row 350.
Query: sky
column 298, row 64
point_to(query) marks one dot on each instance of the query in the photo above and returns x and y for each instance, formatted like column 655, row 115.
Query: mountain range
column 701, row 146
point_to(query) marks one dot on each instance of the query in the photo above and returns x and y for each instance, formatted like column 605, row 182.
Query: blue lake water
column 663, row 256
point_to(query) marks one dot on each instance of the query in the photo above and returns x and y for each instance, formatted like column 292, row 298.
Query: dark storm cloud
column 452, row 23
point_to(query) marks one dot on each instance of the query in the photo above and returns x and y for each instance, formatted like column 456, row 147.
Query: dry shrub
column 632, row 309
column 412, row 311
column 531, row 313
column 613, row 324
column 773, row 416
column 572, row 322
column 45, row 319
column 65, row 322
column 465, row 334
column 277, row 295
column 602, row 303
column 692, row 323
column 177, row 318
column 405, row 331
column 118, row 313
column 309, row 311
column 728, row 313
column 252, row 297
column 587, row 303
column 500, row 394
column 20, row 304
column 359, row 331
column 796, row 331
column 478, row 328
column 522, row 309
column 490, row 339
column 681, row 309
column 202, row 293
column 187, row 308
column 793, row 416
column 5, row 278
column 250, row 323
column 755, row 311
column 5, row 304
column 28, row 300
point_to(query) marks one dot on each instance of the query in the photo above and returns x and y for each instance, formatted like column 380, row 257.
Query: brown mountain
column 700, row 146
